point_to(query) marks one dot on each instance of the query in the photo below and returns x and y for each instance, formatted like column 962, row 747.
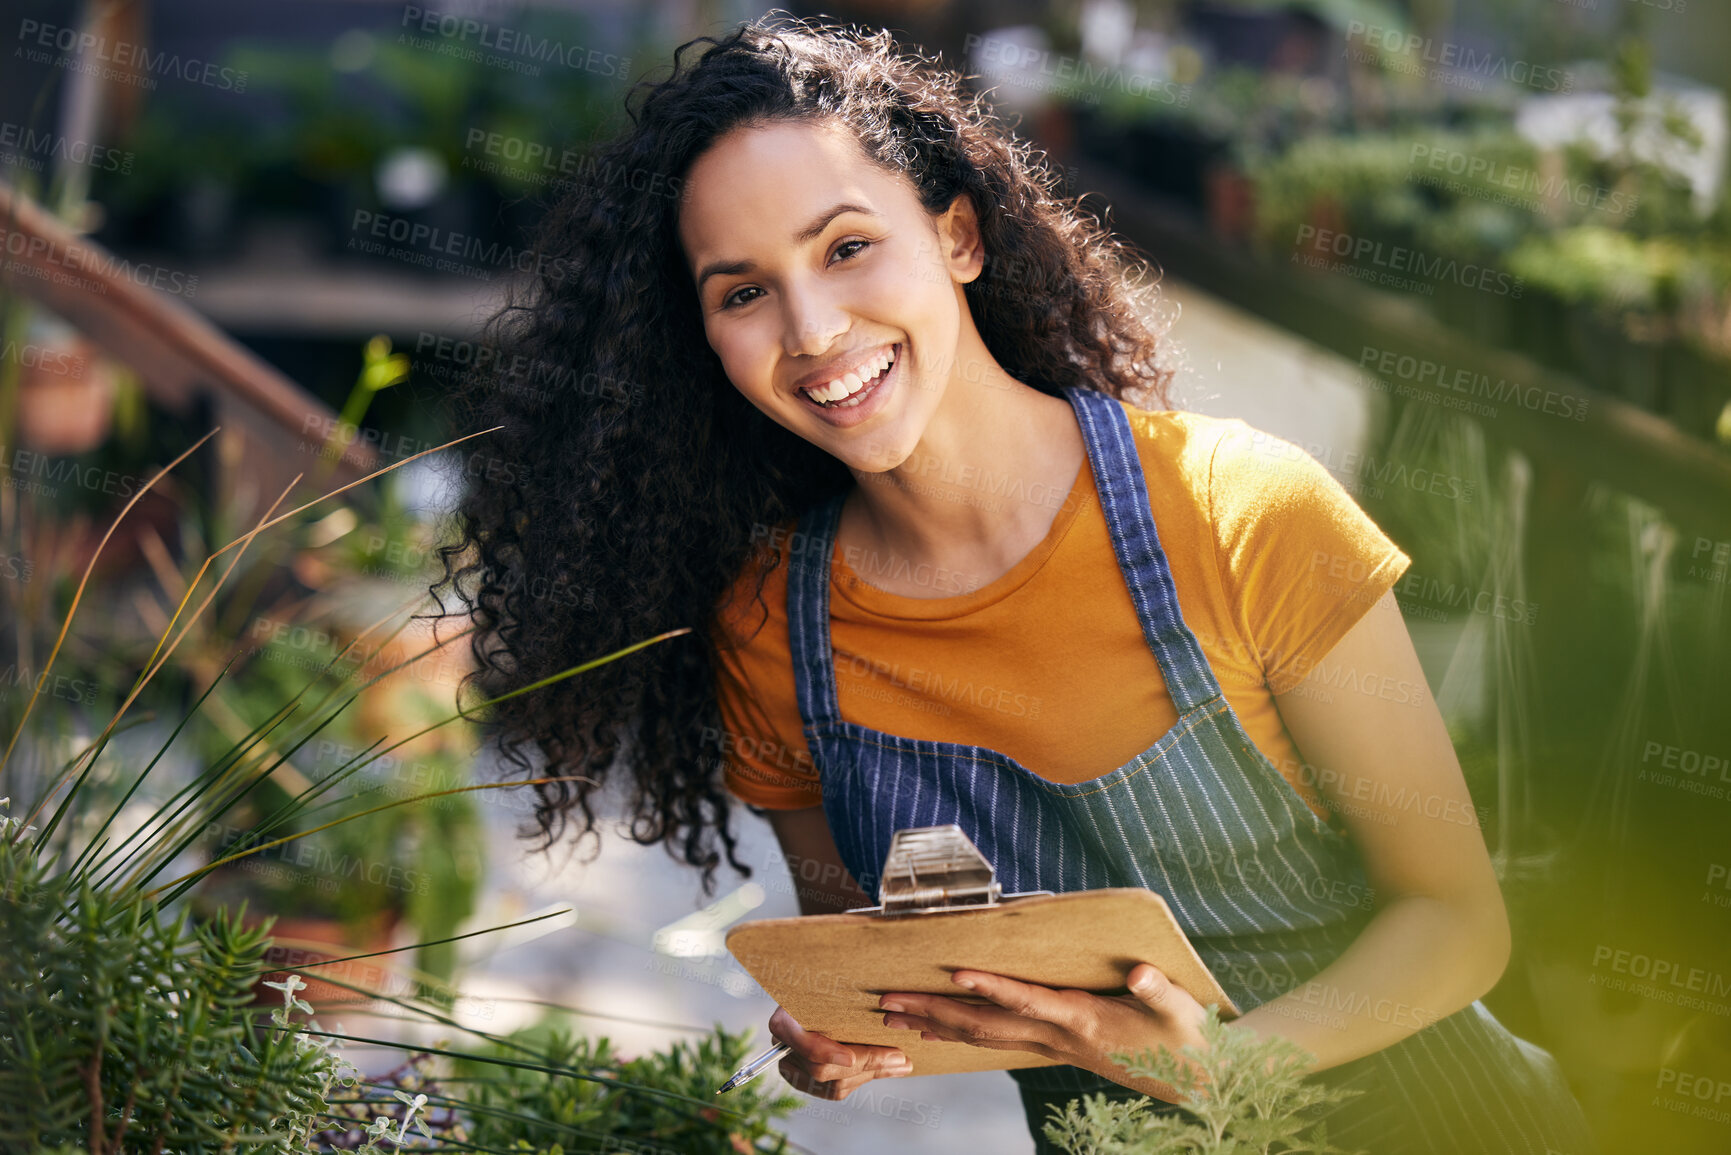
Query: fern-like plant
column 123, row 1031
column 1243, row 1094
column 550, row 1113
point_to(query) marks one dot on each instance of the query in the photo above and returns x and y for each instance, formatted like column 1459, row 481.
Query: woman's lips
column 861, row 405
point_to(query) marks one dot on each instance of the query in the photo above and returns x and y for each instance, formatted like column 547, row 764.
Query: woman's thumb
column 1150, row 985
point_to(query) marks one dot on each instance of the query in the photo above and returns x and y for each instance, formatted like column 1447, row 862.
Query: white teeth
column 850, row 383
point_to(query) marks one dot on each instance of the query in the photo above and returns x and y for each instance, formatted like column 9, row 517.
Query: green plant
column 1244, row 1094
column 119, row 1027
column 549, row 1113
column 1612, row 270
column 122, row 1022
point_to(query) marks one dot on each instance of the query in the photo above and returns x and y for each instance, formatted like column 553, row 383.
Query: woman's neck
column 981, row 488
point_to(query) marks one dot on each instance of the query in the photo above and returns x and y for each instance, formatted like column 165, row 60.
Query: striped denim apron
column 1202, row 818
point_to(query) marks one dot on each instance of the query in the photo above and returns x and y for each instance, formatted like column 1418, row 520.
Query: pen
column 756, row 1067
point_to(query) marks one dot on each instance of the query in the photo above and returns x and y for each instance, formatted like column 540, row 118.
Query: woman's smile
column 851, row 397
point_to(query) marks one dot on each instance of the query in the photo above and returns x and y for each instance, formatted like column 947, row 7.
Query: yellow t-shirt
column 1272, row 560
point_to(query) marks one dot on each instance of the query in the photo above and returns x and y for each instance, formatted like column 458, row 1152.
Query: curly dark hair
column 639, row 476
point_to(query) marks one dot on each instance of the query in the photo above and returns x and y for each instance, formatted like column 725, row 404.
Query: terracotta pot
column 1231, row 203
column 299, row 944
column 65, row 398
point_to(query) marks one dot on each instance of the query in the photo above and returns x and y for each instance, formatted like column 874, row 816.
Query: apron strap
column 1130, row 518
column 808, row 615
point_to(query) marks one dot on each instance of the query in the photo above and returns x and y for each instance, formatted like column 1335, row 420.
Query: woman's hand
column 818, row 1065
column 1074, row 1027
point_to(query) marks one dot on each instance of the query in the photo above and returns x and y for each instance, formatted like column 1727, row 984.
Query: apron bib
column 1202, row 818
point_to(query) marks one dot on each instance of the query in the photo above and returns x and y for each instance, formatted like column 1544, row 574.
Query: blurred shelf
column 1629, row 447
column 341, row 301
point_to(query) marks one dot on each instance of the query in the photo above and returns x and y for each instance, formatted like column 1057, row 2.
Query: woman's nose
column 811, row 324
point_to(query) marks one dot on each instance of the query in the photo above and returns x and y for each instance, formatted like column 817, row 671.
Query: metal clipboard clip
column 930, row 869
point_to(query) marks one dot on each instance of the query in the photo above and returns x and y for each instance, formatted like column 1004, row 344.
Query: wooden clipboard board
column 829, row 971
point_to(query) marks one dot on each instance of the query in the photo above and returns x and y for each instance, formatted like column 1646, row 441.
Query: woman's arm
column 818, row 1065
column 1383, row 761
column 1439, row 938
column 821, row 882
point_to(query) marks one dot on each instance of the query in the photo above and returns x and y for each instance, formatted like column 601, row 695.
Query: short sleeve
column 760, row 766
column 1300, row 562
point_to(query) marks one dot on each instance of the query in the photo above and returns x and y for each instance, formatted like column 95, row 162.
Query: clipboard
column 941, row 909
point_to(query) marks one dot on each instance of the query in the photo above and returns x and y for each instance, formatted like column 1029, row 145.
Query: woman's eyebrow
column 816, row 227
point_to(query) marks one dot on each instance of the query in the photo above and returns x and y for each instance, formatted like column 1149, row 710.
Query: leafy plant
column 1609, row 269
column 1245, row 1095
column 122, row 1030
column 120, row 1021
column 550, row 1113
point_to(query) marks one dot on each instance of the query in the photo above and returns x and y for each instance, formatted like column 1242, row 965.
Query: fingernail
column 893, row 1021
column 893, row 1006
column 968, row 983
column 898, row 1065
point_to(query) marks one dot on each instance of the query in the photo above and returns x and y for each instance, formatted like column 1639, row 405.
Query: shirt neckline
column 848, row 585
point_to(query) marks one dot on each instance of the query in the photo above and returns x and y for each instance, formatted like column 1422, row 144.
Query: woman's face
column 815, row 269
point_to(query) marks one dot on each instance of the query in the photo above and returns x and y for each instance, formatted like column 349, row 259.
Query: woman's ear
column 959, row 239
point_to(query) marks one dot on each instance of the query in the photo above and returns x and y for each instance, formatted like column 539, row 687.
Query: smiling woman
column 1106, row 688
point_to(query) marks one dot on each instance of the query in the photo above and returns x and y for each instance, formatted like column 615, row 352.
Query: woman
column 889, row 450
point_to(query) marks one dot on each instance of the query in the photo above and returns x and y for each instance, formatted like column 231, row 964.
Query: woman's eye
column 845, row 251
